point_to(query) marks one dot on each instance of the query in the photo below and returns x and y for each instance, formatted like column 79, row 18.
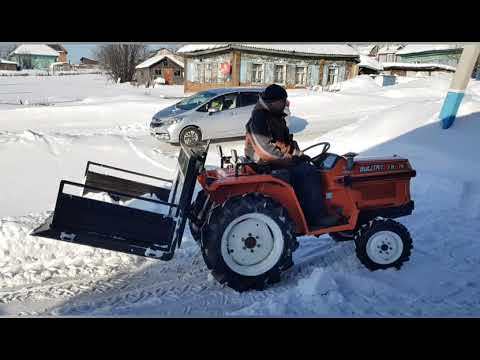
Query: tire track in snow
column 143, row 156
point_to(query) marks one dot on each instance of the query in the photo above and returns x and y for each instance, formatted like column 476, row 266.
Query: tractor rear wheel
column 383, row 244
column 248, row 241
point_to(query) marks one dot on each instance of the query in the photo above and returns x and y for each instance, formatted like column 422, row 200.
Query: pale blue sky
column 76, row 51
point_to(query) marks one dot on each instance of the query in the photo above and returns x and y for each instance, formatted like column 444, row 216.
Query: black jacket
column 268, row 139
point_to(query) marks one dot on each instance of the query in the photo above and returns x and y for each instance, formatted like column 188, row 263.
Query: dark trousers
column 306, row 182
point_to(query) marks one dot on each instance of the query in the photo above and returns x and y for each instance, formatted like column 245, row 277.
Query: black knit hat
column 274, row 92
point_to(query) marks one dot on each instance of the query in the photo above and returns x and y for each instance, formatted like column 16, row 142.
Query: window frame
column 304, row 83
column 262, row 77
column 336, row 72
column 284, row 66
column 199, row 75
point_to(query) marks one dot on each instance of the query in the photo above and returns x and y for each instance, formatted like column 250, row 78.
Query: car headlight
column 172, row 121
column 155, row 121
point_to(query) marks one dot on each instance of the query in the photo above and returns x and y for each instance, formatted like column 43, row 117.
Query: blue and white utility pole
column 459, row 83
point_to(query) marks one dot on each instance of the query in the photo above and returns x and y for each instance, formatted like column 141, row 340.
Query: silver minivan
column 211, row 114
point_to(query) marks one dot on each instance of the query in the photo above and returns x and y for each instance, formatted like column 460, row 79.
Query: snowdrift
column 38, row 276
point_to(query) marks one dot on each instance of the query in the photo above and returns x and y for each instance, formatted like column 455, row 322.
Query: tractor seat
column 282, row 174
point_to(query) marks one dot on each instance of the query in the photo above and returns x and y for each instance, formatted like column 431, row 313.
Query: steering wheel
column 326, row 147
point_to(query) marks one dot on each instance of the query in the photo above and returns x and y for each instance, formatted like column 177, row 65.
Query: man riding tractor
column 268, row 143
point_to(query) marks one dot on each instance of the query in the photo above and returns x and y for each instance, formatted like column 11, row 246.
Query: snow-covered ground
column 88, row 118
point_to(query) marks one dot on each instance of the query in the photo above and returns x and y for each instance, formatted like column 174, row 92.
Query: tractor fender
column 268, row 185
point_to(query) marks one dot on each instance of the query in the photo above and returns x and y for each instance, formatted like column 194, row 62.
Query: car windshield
column 195, row 100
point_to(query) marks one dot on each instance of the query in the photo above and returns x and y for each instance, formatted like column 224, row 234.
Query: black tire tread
column 218, row 219
column 368, row 230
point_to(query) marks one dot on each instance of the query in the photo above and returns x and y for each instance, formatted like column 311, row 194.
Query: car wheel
column 190, row 136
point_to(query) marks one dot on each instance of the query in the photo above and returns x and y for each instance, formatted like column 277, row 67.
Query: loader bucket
column 119, row 227
column 96, row 179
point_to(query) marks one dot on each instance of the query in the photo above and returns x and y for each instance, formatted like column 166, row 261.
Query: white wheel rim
column 384, row 247
column 252, row 244
column 190, row 137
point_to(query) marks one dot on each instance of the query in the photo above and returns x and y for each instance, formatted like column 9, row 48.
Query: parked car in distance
column 211, row 114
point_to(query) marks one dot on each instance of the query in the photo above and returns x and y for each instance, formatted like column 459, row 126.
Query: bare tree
column 6, row 49
column 119, row 60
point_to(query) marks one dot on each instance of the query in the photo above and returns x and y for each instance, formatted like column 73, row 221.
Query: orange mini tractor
column 246, row 218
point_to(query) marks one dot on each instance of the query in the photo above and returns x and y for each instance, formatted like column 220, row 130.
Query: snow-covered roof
column 420, row 48
column 7, row 62
column 155, row 59
column 417, row 66
column 318, row 49
column 58, row 47
column 388, row 49
column 370, row 63
column 52, row 65
column 34, row 49
column 365, row 49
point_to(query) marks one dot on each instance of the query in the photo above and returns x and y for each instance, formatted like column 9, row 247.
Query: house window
column 158, row 72
column 332, row 74
column 390, row 57
column 257, row 73
column 177, row 73
column 208, row 73
column 280, row 74
column 199, row 73
column 220, row 75
column 300, row 75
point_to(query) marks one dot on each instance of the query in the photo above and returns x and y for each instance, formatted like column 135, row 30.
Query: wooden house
column 164, row 65
column 446, row 54
column 388, row 53
column 290, row 65
column 34, row 56
column 62, row 52
column 416, row 70
column 8, row 65
column 87, row 61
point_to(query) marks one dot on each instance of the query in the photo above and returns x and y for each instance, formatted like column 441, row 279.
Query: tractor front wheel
column 248, row 242
column 383, row 244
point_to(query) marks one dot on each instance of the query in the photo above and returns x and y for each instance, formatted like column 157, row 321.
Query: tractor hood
column 376, row 165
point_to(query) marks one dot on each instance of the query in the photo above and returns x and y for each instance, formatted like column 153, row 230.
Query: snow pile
column 369, row 63
column 159, row 80
column 362, row 83
column 2, row 61
column 25, row 259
